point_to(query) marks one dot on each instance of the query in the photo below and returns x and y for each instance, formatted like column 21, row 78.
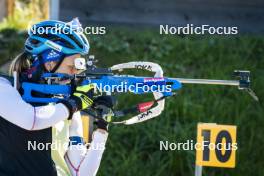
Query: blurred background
column 132, row 33
column 244, row 14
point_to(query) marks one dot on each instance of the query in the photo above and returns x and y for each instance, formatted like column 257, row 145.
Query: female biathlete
column 23, row 124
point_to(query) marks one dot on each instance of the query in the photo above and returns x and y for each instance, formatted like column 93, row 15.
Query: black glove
column 108, row 101
column 103, row 106
column 105, row 115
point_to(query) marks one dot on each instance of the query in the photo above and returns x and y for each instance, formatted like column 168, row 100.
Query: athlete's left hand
column 103, row 106
column 105, row 116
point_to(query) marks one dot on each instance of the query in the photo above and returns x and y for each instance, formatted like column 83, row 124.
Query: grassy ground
column 134, row 150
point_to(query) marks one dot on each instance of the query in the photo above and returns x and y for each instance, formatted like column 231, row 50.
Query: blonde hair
column 20, row 63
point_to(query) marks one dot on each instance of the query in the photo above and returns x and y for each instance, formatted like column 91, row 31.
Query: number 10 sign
column 216, row 145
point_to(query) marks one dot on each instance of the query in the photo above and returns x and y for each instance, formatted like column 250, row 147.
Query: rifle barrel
column 208, row 81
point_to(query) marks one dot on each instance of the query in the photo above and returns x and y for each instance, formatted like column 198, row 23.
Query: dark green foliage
column 11, row 43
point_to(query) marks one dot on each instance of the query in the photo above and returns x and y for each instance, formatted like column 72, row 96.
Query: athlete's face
column 67, row 66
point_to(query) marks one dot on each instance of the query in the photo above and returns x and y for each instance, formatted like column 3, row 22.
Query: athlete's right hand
column 82, row 98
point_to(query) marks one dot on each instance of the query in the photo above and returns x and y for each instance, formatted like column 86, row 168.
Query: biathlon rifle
column 105, row 77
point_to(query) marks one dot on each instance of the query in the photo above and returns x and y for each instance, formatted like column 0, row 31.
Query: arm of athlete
column 17, row 111
column 80, row 160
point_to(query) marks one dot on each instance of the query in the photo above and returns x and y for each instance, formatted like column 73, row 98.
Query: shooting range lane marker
column 212, row 134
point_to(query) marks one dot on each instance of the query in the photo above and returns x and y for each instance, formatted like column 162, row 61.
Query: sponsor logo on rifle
column 143, row 115
column 153, row 79
column 145, row 67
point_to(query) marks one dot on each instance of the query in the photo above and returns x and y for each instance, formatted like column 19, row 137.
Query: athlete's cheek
column 75, row 71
